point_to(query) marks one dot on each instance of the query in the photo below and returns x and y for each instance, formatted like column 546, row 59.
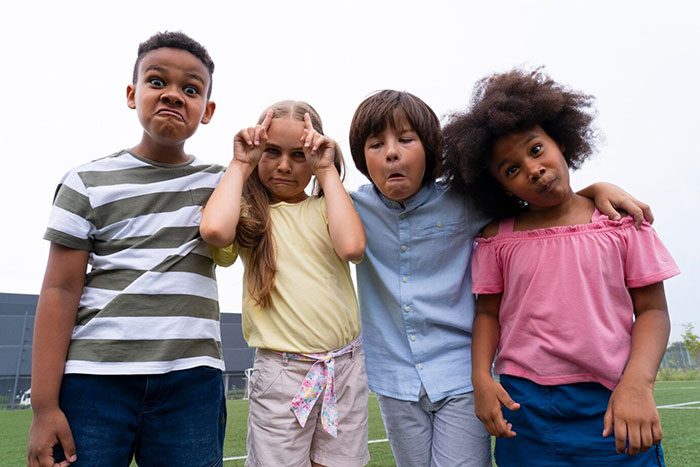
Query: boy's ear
column 208, row 112
column 131, row 96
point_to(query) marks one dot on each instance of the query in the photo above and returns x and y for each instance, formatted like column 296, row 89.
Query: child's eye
column 536, row 149
column 511, row 170
column 191, row 90
column 375, row 145
column 157, row 82
column 299, row 155
column 272, row 151
column 405, row 139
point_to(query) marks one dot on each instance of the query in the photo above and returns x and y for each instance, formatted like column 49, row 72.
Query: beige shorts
column 275, row 437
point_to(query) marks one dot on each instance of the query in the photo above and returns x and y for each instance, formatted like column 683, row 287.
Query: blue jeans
column 174, row 419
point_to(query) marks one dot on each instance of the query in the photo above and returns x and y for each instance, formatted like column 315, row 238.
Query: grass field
column 679, row 406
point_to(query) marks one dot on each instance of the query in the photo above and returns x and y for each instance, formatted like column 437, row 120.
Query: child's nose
column 171, row 96
column 284, row 164
column 536, row 171
column 392, row 151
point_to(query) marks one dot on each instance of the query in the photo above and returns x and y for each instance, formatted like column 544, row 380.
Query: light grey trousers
column 445, row 433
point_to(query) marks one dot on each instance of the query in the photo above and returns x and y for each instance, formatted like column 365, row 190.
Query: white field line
column 679, row 406
column 676, row 389
column 240, row 458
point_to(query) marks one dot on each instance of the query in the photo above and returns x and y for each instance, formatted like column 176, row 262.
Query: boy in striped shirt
column 127, row 357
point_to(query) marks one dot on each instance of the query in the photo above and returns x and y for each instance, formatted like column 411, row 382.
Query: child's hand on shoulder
column 249, row 143
column 489, row 398
column 633, row 417
column 318, row 149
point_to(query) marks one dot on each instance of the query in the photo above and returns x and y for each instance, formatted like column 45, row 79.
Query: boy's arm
column 631, row 409
column 55, row 317
column 489, row 395
column 608, row 198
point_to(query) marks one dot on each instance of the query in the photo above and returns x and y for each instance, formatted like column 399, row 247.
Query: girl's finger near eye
column 268, row 119
column 320, row 142
column 307, row 122
column 246, row 134
column 310, row 137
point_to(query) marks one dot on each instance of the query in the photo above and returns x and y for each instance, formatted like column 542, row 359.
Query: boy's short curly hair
column 175, row 40
column 388, row 108
column 504, row 103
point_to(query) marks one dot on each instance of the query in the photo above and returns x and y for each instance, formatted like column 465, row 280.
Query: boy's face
column 170, row 95
column 396, row 161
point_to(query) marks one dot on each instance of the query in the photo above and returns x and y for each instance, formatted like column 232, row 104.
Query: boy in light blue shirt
column 414, row 283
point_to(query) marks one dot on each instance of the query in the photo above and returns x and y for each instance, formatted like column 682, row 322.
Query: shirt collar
column 411, row 203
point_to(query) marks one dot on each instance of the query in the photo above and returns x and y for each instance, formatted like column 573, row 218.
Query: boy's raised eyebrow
column 163, row 70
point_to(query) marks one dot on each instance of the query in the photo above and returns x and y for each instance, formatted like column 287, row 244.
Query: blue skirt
column 562, row 426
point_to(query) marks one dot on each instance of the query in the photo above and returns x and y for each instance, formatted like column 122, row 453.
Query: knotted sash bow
column 321, row 375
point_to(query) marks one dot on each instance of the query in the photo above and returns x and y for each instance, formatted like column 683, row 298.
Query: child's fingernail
column 73, row 458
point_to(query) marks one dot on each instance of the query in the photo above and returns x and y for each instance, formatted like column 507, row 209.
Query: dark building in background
column 17, row 329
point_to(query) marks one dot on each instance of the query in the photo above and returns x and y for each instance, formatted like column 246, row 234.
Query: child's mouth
column 395, row 175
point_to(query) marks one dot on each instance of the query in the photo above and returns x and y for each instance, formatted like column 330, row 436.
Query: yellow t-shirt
column 313, row 303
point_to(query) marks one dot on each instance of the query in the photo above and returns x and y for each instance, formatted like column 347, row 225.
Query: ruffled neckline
column 598, row 222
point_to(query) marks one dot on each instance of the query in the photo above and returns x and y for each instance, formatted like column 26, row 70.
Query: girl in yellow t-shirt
column 299, row 304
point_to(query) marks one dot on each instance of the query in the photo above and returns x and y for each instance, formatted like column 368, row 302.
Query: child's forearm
column 344, row 225
column 649, row 334
column 486, row 332
column 222, row 212
column 55, row 319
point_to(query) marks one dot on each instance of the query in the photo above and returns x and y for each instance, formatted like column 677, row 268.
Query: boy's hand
column 489, row 397
column 48, row 429
column 610, row 199
column 633, row 416
column 249, row 143
column 318, row 149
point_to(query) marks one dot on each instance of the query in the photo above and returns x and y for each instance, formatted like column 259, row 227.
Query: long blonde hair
column 254, row 229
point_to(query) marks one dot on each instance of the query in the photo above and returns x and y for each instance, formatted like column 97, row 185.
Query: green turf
column 681, row 429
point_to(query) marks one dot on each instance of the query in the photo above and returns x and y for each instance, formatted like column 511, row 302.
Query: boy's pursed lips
column 170, row 112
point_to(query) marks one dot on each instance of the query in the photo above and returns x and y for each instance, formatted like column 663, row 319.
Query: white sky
column 67, row 65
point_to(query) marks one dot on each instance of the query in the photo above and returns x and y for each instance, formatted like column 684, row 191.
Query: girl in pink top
column 570, row 301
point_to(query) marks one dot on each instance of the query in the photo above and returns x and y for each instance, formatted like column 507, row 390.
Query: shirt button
column 439, row 224
column 407, row 308
column 404, row 248
column 395, row 204
column 420, row 366
column 402, row 216
column 404, row 278
column 413, row 338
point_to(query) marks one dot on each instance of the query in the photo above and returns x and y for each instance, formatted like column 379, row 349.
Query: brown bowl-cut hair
column 390, row 108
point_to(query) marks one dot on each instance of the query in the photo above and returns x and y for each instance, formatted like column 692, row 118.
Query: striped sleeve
column 71, row 219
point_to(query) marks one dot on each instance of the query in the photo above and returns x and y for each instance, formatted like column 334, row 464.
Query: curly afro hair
column 504, row 103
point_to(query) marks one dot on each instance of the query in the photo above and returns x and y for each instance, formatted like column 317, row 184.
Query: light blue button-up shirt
column 414, row 288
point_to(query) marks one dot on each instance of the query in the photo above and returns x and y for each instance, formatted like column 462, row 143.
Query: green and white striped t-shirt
column 150, row 300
